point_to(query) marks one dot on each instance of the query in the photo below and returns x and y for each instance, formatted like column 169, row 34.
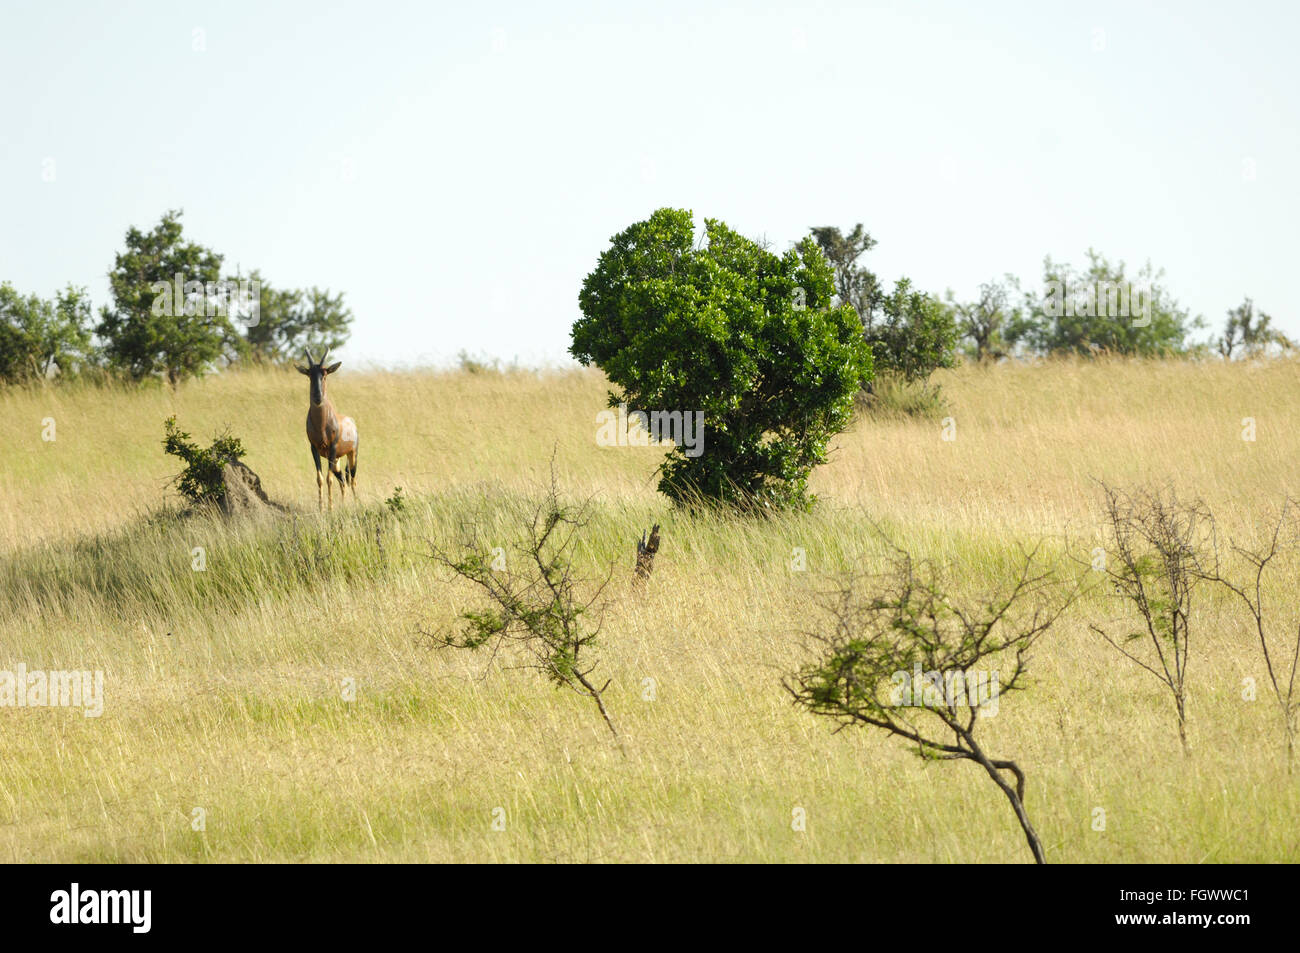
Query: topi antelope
column 330, row 435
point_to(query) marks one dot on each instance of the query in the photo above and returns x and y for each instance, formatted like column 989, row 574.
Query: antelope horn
column 310, row 359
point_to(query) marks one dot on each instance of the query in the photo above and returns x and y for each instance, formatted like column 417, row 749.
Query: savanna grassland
column 223, row 687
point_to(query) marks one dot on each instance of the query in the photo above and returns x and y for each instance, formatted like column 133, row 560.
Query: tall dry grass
column 224, row 688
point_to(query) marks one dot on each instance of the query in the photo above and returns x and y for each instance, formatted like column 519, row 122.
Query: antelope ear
column 301, row 370
column 333, row 367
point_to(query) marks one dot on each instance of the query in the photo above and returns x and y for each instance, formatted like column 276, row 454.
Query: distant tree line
column 172, row 315
column 203, row 321
column 1103, row 308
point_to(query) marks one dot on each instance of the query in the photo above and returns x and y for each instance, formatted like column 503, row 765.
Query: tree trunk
column 1014, row 795
column 645, row 553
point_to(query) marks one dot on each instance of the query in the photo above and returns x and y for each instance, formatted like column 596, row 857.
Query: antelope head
column 317, row 371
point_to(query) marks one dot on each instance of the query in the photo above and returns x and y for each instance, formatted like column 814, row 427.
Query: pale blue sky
column 457, row 168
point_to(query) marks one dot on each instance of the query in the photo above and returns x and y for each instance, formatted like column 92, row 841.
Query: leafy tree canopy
column 291, row 320
column 168, row 315
column 1102, row 309
column 39, row 336
column 750, row 338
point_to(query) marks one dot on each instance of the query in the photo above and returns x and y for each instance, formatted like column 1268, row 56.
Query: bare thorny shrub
column 533, row 599
column 902, row 655
column 1266, row 588
column 1159, row 549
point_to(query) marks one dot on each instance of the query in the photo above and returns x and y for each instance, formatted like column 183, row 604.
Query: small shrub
column 202, row 480
column 1160, row 549
column 899, row 653
column 474, row 365
column 397, row 502
column 1262, row 586
column 533, row 599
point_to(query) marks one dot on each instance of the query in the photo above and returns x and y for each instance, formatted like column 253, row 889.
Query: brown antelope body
column 331, row 436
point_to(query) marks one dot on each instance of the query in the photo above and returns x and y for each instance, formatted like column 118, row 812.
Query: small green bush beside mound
column 203, row 479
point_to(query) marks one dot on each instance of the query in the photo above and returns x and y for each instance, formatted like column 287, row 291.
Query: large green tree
column 751, row 339
column 39, row 336
column 168, row 315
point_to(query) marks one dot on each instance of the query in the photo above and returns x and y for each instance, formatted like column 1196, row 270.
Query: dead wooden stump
column 645, row 553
